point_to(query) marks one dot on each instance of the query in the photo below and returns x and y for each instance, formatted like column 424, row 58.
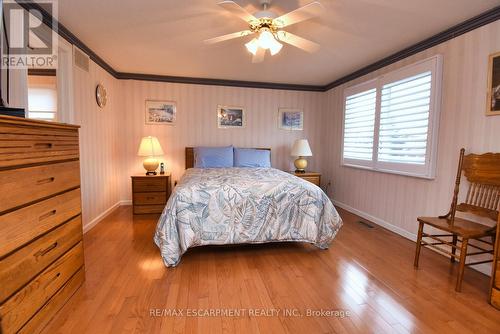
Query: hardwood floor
column 367, row 272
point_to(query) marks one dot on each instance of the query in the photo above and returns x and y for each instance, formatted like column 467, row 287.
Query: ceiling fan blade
column 300, row 14
column 297, row 41
column 228, row 37
column 237, row 10
column 258, row 57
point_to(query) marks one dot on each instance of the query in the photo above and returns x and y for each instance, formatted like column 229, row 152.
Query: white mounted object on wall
column 81, row 59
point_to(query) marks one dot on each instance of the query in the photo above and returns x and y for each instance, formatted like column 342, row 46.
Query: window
column 391, row 122
column 359, row 124
column 42, row 97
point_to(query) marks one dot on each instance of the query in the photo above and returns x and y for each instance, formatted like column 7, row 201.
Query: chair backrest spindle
column 453, row 208
column 483, row 196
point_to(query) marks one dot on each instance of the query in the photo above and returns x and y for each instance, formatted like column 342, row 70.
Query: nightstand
column 312, row 177
column 150, row 193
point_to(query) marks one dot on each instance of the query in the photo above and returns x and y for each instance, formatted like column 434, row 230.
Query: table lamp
column 150, row 147
column 301, row 149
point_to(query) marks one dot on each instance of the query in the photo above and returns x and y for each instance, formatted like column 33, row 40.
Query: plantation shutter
column 391, row 122
column 404, row 120
column 359, row 122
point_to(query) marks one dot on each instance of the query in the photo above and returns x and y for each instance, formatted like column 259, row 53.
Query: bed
column 239, row 205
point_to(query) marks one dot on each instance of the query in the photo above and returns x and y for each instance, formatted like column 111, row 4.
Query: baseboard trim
column 482, row 268
column 87, row 227
column 97, row 220
column 378, row 221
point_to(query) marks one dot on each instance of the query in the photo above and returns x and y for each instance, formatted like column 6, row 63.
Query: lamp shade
column 301, row 148
column 150, row 147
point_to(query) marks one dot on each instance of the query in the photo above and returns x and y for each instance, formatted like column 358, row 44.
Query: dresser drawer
column 37, row 131
column 150, row 198
column 26, row 185
column 42, row 317
column 25, row 145
column 18, row 309
column 149, row 184
column 21, row 226
column 145, row 209
column 18, row 268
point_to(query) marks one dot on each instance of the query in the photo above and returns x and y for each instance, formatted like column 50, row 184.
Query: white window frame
column 428, row 170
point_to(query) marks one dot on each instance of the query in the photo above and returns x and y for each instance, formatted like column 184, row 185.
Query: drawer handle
column 43, row 145
column 46, row 250
column 47, row 215
column 57, row 275
column 45, row 181
column 149, row 197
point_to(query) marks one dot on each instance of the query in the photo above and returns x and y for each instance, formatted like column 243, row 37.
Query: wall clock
column 101, row 95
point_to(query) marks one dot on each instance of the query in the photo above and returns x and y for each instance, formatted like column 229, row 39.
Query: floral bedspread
column 220, row 206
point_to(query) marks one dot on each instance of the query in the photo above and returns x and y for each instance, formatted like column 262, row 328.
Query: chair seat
column 462, row 227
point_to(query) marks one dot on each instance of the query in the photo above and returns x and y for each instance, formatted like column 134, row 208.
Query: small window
column 42, row 96
column 390, row 123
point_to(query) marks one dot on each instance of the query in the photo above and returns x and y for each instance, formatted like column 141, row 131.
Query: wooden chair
column 482, row 199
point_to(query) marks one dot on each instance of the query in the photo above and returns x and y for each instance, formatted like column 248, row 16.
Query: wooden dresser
column 495, row 273
column 150, row 193
column 41, row 252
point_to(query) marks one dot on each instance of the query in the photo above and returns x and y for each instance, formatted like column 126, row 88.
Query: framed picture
column 290, row 119
column 230, row 117
column 160, row 112
column 493, row 102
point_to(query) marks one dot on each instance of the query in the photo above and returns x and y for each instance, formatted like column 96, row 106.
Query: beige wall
column 395, row 201
column 100, row 142
column 196, row 123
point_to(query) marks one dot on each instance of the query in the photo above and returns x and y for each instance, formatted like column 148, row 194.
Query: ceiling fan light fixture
column 252, row 46
column 266, row 39
column 275, row 48
column 268, row 27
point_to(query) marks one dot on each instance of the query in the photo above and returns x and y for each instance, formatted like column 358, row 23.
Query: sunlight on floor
column 152, row 266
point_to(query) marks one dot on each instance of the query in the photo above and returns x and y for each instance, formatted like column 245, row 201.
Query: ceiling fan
column 269, row 28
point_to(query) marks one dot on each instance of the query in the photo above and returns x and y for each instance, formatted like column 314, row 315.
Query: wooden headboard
column 190, row 155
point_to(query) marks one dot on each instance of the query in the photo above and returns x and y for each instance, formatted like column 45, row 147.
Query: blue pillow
column 213, row 157
column 250, row 157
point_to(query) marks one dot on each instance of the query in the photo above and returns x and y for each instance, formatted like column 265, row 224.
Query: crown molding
column 66, row 34
column 478, row 21
column 218, row 82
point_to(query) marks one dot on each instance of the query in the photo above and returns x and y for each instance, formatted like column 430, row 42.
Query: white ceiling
column 165, row 37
